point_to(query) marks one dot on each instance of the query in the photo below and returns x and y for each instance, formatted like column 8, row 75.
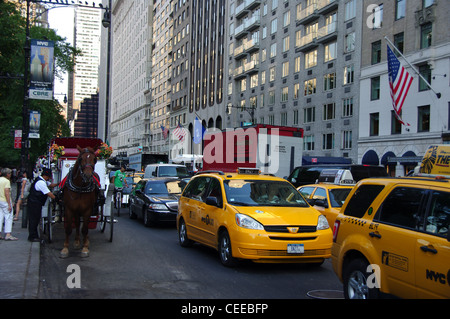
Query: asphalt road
column 144, row 262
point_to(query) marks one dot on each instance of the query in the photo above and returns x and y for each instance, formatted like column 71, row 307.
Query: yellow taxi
column 392, row 237
column 330, row 193
column 246, row 215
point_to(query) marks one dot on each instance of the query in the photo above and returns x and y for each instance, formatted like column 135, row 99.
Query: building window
column 329, row 81
column 271, row 97
column 396, row 126
column 378, row 16
column 284, row 119
column 425, row 71
column 329, row 111
column 310, row 86
column 350, row 10
column 347, row 107
column 274, row 25
column 297, row 65
column 347, row 140
column 399, row 42
column 426, row 35
column 286, row 44
column 286, row 18
column 375, row 88
column 330, row 51
column 284, row 94
column 328, row 141
column 374, row 124
column 285, row 69
column 310, row 59
column 309, row 115
column 272, row 119
column 308, row 143
column 376, row 52
column 296, row 91
column 350, row 42
column 424, row 118
column 349, row 74
column 427, row 3
column 400, row 6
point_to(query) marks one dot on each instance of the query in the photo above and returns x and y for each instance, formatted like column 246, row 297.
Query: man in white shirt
column 39, row 191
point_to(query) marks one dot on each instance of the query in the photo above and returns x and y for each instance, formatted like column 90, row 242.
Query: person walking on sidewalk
column 6, row 207
column 39, row 191
column 23, row 189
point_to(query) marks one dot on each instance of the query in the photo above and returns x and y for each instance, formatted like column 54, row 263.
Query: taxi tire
column 182, row 235
column 225, row 253
column 355, row 277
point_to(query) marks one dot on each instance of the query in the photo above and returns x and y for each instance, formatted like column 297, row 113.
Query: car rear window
column 362, row 199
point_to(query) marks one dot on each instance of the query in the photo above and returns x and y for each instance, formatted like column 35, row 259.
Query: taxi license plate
column 295, row 248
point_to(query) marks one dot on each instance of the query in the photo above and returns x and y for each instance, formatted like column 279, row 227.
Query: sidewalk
column 19, row 264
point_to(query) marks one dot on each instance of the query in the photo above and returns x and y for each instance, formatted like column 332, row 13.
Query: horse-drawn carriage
column 82, row 188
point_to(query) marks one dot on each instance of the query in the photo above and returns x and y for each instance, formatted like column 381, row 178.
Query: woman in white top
column 22, row 192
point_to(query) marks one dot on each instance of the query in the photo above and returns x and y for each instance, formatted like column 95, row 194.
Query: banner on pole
column 35, row 123
column 41, row 70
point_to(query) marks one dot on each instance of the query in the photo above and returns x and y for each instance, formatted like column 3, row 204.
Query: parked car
column 156, row 199
column 304, row 175
column 166, row 170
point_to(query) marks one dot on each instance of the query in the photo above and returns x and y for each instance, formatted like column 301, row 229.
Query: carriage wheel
column 49, row 223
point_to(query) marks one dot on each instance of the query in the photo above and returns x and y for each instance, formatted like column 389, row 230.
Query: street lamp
column 106, row 22
column 250, row 110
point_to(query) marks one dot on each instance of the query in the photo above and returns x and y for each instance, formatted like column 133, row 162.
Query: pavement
column 19, row 263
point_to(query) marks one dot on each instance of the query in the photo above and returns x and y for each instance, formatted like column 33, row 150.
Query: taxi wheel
column 356, row 279
column 225, row 253
column 182, row 235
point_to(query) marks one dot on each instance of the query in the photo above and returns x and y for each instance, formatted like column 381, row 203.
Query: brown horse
column 79, row 198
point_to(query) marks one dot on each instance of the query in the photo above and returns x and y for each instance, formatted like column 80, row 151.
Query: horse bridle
column 81, row 169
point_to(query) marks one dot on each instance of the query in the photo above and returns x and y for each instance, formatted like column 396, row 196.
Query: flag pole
column 438, row 95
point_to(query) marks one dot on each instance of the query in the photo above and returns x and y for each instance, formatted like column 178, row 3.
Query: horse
column 80, row 193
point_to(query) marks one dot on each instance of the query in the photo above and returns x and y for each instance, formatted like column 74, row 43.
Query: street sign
column 18, row 139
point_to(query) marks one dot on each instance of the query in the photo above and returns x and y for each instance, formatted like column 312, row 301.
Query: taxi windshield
column 241, row 192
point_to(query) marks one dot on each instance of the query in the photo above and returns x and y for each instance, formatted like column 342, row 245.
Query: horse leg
column 76, row 243
column 68, row 230
column 84, row 231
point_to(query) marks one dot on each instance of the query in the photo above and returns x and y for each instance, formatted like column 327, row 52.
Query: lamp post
column 106, row 22
column 26, row 74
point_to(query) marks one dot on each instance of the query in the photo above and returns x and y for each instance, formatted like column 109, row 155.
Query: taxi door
column 433, row 249
column 192, row 206
column 394, row 235
column 210, row 214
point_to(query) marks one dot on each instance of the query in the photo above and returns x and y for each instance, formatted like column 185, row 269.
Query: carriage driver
column 39, row 191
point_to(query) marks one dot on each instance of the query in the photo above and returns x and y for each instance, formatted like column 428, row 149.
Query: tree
column 12, row 66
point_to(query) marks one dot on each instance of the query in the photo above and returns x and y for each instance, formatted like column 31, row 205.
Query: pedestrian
column 23, row 190
column 39, row 191
column 6, row 206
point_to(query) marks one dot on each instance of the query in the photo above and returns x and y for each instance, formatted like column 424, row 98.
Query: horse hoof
column 84, row 253
column 64, row 253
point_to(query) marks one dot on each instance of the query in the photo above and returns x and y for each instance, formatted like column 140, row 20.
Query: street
column 149, row 263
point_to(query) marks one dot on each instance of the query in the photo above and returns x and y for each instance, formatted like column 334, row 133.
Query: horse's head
column 86, row 162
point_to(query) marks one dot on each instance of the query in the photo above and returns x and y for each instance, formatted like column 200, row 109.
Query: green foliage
column 12, row 66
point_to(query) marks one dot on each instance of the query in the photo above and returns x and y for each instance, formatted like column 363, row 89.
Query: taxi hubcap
column 357, row 286
column 225, row 248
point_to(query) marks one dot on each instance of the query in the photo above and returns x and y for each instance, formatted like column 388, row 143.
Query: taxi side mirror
column 211, row 200
column 448, row 235
column 322, row 203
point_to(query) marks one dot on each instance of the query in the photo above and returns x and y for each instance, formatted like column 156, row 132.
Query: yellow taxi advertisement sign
column 436, row 160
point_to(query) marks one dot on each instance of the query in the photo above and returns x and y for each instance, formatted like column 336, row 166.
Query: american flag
column 165, row 131
column 399, row 82
column 179, row 132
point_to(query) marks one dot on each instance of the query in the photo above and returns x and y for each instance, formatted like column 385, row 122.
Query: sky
column 61, row 19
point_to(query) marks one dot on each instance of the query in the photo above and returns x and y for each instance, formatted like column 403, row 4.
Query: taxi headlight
column 248, row 222
column 322, row 223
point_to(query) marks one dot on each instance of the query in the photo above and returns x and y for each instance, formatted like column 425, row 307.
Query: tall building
column 419, row 29
column 86, row 119
column 129, row 105
column 38, row 12
column 83, row 82
column 293, row 63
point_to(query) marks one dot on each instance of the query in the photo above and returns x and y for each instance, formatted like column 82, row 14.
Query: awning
column 370, row 158
column 315, row 160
